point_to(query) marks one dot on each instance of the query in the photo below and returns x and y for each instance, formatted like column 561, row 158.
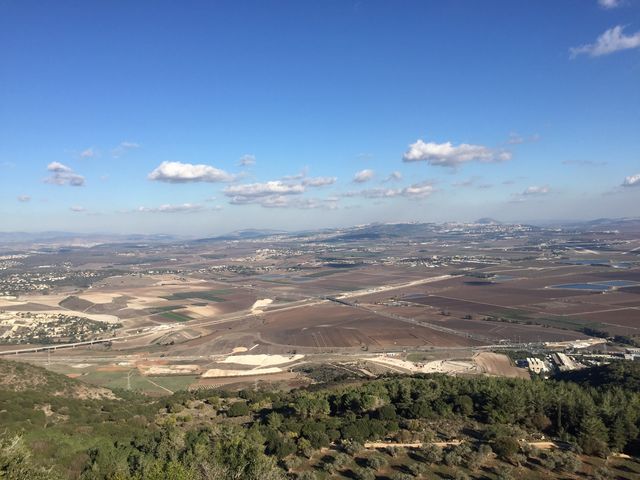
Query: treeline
column 258, row 434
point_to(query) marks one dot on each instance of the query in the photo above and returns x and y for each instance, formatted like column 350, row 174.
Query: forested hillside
column 451, row 428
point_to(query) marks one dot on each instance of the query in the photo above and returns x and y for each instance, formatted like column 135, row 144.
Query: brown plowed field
column 327, row 326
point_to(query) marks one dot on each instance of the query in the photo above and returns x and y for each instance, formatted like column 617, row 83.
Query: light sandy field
column 49, row 300
column 217, row 372
column 10, row 302
column 170, row 370
column 204, row 311
column 260, row 304
column 98, row 317
column 262, row 360
column 99, row 297
column 167, row 280
column 140, row 303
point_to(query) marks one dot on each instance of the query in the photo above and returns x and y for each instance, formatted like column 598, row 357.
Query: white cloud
column 536, row 190
column 363, row 176
column 24, row 198
column 415, row 191
column 168, row 208
column 608, row 4
column 77, row 209
column 275, row 187
column 88, row 153
column 529, row 193
column 247, row 160
column 178, row 172
column 319, row 181
column 632, row 181
column 63, row 175
column 613, row 40
column 393, row 177
column 448, row 155
column 284, row 193
column 281, row 201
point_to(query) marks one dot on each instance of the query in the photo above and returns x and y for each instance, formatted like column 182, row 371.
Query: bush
column 238, row 409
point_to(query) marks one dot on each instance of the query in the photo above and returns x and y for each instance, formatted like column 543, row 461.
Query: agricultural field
column 335, row 296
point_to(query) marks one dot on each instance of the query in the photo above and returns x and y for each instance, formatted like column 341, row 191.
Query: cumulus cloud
column 168, row 208
column 280, row 193
column 24, row 198
column 613, row 40
column 415, row 191
column 319, row 181
column 63, row 175
column 275, row 187
column 178, row 172
column 393, row 177
column 632, row 181
column 363, row 176
column 448, row 155
column 608, row 4
column 88, row 153
column 247, row 160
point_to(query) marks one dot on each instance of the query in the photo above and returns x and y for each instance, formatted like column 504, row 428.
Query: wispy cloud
column 415, row 191
column 24, row 198
column 88, row 153
column 632, row 181
column 517, row 139
column 123, row 148
column 613, row 40
column 448, row 155
column 393, row 177
column 63, row 175
column 247, row 160
column 609, row 4
column 180, row 208
column 319, row 181
column 536, row 190
column 77, row 209
column 363, row 176
column 282, row 201
column 584, row 163
column 530, row 192
column 178, row 172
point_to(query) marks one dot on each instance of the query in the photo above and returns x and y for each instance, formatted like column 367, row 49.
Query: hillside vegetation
column 452, row 427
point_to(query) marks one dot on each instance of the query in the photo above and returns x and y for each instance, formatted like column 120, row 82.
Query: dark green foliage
column 238, row 409
column 112, row 439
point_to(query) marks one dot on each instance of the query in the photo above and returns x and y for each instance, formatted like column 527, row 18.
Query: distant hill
column 246, row 234
column 488, row 221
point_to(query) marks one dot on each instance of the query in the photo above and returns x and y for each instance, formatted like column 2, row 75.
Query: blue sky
column 205, row 117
